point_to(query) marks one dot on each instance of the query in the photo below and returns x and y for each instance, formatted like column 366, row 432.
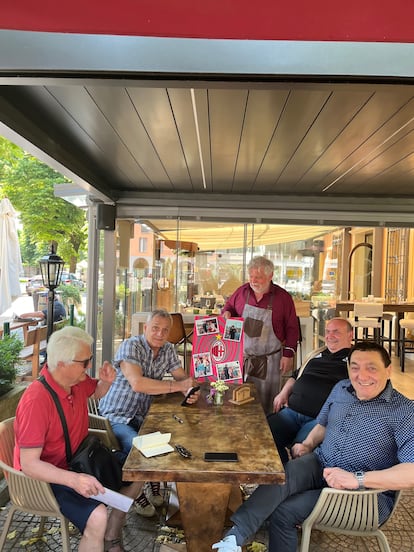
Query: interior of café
column 192, row 267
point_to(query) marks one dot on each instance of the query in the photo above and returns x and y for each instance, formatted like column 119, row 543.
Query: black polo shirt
column 321, row 373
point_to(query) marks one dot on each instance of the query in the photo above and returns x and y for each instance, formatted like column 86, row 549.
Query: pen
column 178, row 419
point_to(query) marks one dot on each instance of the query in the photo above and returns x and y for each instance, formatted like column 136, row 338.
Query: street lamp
column 51, row 267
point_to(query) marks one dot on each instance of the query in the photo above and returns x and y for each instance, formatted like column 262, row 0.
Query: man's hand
column 286, row 365
column 185, row 386
column 279, row 402
column 107, row 372
column 87, row 485
column 226, row 314
column 299, row 449
column 340, row 479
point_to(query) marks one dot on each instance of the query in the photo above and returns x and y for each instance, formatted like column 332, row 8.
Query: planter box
column 9, row 401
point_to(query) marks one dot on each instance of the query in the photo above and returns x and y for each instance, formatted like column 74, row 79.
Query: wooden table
column 14, row 325
column 206, row 489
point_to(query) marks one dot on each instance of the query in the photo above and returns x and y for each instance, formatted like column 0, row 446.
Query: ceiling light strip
column 200, row 153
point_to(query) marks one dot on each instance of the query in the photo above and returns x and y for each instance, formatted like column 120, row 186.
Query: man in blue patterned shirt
column 141, row 363
column 364, row 438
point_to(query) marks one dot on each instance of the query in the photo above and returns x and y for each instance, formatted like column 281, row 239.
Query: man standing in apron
column 271, row 329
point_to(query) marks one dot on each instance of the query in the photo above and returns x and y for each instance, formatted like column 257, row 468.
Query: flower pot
column 218, row 398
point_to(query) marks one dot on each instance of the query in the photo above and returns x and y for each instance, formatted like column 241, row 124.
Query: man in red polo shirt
column 40, row 445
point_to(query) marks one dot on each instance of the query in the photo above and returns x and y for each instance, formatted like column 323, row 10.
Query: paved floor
column 140, row 534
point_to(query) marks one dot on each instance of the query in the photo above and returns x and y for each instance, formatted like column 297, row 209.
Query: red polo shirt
column 38, row 424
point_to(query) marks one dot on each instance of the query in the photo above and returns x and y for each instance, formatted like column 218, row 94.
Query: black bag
column 94, row 458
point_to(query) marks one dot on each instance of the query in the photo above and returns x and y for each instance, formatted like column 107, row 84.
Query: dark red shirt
column 284, row 319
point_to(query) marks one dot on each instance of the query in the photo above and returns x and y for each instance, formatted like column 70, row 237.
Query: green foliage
column 70, row 295
column 46, row 219
column 10, row 347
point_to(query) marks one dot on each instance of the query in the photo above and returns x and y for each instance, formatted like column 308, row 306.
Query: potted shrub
column 10, row 347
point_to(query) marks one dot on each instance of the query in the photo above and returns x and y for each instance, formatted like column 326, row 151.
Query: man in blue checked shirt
column 364, row 438
column 141, row 363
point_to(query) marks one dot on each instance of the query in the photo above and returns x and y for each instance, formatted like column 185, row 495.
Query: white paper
column 115, row 500
column 153, row 444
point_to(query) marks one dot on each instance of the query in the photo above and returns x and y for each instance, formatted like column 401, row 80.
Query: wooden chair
column 35, row 343
column 179, row 338
column 27, row 495
column 352, row 513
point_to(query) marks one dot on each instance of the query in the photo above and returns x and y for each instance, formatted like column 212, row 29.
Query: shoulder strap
column 55, row 398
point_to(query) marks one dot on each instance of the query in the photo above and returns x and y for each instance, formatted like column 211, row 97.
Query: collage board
column 217, row 349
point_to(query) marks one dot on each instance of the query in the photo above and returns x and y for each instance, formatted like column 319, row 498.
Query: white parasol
column 10, row 259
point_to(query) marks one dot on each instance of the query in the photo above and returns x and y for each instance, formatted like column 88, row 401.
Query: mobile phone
column 220, row 457
column 191, row 392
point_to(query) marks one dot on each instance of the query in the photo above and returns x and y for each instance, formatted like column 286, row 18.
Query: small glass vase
column 218, row 398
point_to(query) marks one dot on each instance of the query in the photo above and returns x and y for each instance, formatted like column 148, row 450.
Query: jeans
column 285, row 505
column 124, row 433
column 288, row 427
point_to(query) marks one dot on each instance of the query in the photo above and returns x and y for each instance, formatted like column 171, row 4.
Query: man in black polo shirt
column 298, row 403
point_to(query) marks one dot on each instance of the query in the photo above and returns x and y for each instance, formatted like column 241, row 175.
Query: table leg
column 203, row 509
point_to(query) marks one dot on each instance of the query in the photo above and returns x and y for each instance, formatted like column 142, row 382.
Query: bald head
column 338, row 334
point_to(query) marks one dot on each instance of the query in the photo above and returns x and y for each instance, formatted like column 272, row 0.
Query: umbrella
column 10, row 259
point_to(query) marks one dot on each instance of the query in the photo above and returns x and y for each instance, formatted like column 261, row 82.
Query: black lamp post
column 51, row 267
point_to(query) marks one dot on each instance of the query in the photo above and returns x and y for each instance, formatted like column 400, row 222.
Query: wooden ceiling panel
column 298, row 114
column 378, row 121
column 263, row 111
column 313, row 159
column 117, row 107
column 153, row 107
column 227, row 110
column 313, row 139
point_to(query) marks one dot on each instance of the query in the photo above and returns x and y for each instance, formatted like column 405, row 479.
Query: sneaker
column 228, row 544
column 153, row 494
column 143, row 507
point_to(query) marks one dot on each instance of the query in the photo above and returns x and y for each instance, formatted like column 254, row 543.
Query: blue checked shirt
column 121, row 404
column 366, row 435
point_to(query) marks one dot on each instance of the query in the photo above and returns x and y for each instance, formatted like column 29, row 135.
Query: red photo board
column 217, row 349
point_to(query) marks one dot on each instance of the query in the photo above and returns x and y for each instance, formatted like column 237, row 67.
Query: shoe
column 228, row 544
column 153, row 494
column 143, row 507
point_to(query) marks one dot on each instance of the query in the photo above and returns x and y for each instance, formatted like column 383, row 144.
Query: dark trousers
column 285, row 505
column 288, row 427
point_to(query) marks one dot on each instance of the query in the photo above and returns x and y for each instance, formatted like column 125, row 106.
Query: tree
column 46, row 219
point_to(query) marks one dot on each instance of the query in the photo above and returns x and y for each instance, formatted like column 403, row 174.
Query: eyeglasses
column 84, row 362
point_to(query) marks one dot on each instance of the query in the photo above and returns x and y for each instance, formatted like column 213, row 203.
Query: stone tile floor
column 140, row 534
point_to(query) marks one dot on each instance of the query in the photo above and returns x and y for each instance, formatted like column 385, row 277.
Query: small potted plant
column 10, row 347
column 217, row 391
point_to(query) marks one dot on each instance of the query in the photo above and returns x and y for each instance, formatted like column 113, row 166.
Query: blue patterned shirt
column 366, row 435
column 121, row 404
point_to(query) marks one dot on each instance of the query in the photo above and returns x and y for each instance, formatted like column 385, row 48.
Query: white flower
column 219, row 385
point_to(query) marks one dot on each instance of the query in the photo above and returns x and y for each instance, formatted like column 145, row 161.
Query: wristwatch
column 360, row 476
